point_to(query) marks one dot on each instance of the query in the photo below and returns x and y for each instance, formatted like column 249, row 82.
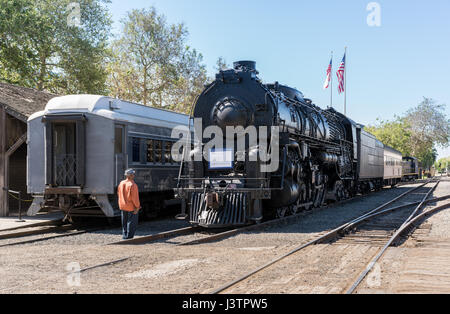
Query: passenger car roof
column 111, row 108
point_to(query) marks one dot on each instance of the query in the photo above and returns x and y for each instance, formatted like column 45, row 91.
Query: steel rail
column 56, row 222
column 157, row 236
column 35, row 232
column 68, row 234
column 394, row 237
column 228, row 233
column 286, row 219
column 102, row 265
column 413, row 214
column 265, row 224
column 385, row 211
column 375, row 210
column 327, row 236
column 187, row 230
column 73, row 272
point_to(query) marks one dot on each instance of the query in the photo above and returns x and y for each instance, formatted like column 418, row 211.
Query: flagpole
column 331, row 75
column 345, row 83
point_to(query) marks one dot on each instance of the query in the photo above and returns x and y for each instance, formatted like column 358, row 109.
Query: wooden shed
column 16, row 105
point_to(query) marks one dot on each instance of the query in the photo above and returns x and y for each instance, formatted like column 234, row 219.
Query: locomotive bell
column 230, row 112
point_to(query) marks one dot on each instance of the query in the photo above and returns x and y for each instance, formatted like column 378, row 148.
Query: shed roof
column 21, row 102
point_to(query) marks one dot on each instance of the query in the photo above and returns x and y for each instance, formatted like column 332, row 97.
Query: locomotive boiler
column 319, row 154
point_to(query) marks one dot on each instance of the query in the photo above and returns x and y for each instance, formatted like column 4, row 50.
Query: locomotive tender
column 322, row 154
column 80, row 145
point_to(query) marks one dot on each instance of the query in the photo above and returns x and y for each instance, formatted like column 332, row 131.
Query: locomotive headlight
column 223, row 184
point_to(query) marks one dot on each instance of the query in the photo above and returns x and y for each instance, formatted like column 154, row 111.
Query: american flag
column 340, row 75
column 327, row 80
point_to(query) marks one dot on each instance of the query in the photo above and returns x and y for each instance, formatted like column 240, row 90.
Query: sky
column 390, row 67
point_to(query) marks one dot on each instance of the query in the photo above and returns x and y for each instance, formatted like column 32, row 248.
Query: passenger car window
column 158, row 151
column 118, row 140
column 167, row 152
column 150, row 151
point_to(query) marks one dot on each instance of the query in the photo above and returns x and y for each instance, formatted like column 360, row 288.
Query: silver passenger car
column 370, row 160
column 80, row 145
column 392, row 166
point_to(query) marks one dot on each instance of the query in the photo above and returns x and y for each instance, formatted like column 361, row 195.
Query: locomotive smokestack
column 249, row 65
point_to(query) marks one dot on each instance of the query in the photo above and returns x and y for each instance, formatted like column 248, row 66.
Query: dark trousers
column 129, row 224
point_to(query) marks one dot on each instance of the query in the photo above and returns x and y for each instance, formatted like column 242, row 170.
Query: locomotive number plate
column 221, row 158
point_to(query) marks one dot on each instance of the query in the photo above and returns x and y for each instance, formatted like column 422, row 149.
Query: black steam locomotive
column 322, row 154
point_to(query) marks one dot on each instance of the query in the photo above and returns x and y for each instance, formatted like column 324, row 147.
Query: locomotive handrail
column 187, row 141
column 284, row 166
column 19, row 198
column 202, row 189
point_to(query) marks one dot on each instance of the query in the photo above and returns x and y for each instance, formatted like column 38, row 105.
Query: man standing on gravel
column 129, row 204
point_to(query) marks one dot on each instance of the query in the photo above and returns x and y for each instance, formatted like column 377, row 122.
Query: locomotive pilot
column 129, row 204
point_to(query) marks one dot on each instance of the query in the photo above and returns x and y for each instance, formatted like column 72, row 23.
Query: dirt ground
column 164, row 267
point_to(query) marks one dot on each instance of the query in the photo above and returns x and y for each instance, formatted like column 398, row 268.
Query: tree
column 41, row 48
column 151, row 64
column 393, row 133
column 428, row 125
column 190, row 81
column 417, row 133
column 221, row 64
column 427, row 157
column 442, row 164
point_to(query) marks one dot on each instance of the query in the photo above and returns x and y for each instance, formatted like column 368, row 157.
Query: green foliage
column 221, row 64
column 428, row 124
column 393, row 133
column 40, row 49
column 150, row 63
column 427, row 157
column 442, row 164
column 417, row 132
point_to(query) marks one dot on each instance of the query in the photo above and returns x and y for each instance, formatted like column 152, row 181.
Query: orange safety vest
column 128, row 194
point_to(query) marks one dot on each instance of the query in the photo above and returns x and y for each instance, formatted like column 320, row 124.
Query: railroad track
column 406, row 226
column 158, row 236
column 328, row 236
column 57, row 222
column 270, row 223
column 211, row 236
column 220, row 235
column 404, row 219
column 57, row 229
column 40, row 233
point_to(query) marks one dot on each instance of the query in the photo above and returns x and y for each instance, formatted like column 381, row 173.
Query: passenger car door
column 119, row 153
